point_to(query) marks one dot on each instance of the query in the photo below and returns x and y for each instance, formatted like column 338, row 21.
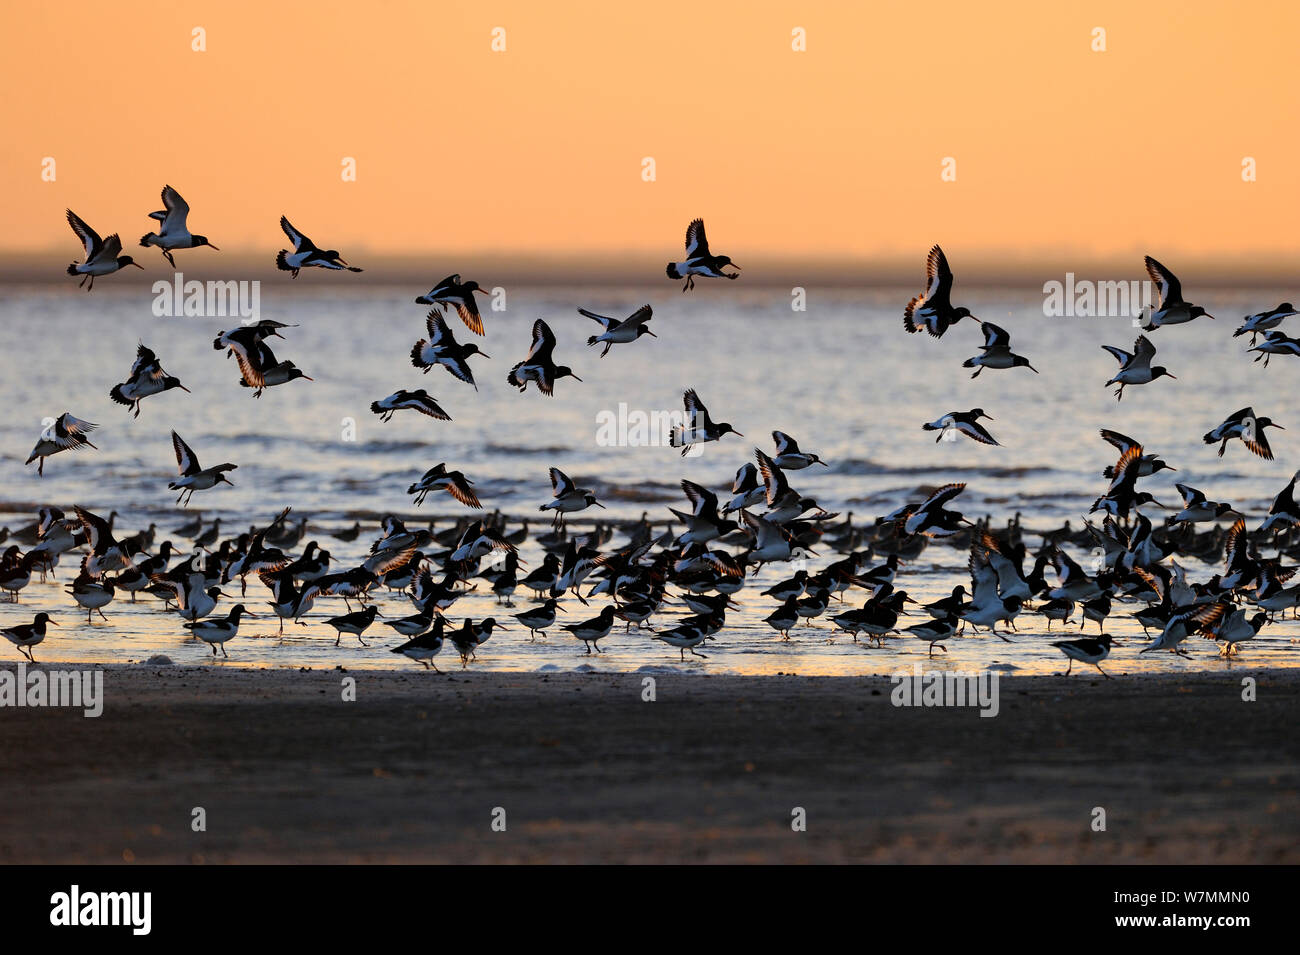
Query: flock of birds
column 711, row 548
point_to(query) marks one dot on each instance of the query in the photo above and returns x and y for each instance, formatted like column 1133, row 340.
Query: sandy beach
column 711, row 771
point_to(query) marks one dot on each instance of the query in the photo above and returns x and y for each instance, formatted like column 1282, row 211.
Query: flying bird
column 146, row 378
column 441, row 348
column 620, row 331
column 1135, row 368
column 965, row 422
column 192, row 476
column 1247, row 426
column 539, row 365
column 933, row 310
column 1173, row 310
column 699, row 260
column 997, row 352
column 103, row 256
column 305, row 255
column 65, row 434
column 699, row 427
column 174, row 233
column 460, row 296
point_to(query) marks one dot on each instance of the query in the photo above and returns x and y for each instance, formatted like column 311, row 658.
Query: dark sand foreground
column 710, row 772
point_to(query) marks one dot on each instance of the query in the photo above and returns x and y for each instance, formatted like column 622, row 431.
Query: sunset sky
column 834, row 152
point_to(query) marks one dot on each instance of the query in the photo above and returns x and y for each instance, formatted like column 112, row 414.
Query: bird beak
column 184, row 389
column 309, row 377
column 211, row 246
column 342, row 261
column 249, row 613
column 51, row 623
column 485, row 354
column 600, row 505
column 1032, row 368
column 1279, row 427
column 651, row 334
column 574, row 377
column 483, row 290
column 138, row 265
column 1174, row 377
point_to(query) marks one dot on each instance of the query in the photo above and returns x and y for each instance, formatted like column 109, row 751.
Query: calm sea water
column 842, row 377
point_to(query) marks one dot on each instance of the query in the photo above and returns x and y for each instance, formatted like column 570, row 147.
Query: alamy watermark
column 1086, row 298
column 636, row 428
column 82, row 689
column 946, row 688
column 212, row 299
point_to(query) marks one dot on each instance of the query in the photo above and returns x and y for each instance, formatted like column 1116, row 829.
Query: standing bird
column 966, row 422
column 539, row 365
column 460, row 296
column 27, row 635
column 997, row 352
column 1248, row 426
column 147, row 378
column 425, row 646
column 438, row 478
column 1086, row 650
column 354, row 623
column 592, row 631
column 193, row 477
column 103, row 256
column 173, row 233
column 699, row 427
column 417, row 400
column 1135, row 368
column 1173, row 310
column 567, row 497
column 699, row 261
column 65, row 434
column 305, row 255
column 932, row 310
column 215, row 633
column 620, row 332
column 441, row 348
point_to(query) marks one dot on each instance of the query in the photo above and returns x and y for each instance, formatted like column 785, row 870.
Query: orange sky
column 834, row 151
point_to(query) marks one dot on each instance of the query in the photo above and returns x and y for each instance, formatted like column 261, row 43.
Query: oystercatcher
column 567, row 497
column 592, row 631
column 441, row 348
column 699, row 427
column 1264, row 321
column 1284, row 511
column 699, row 261
column 1276, row 343
column 215, row 633
column 1173, row 310
column 192, row 476
column 174, row 233
column 997, row 352
column 354, row 623
column 103, row 256
column 27, row 635
column 66, row 434
column 620, row 331
column 539, row 365
column 1135, row 367
column 423, row 647
column 1087, row 650
column 966, row 422
column 788, row 457
column 146, row 378
column 932, row 310
column 1248, row 426
column 305, row 255
column 460, row 296
column 417, row 400
column 438, row 478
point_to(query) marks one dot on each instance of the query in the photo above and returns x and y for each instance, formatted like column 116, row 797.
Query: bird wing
column 560, row 483
column 1171, row 290
column 784, row 443
column 697, row 244
column 88, row 236
column 605, row 321
column 300, row 241
column 177, row 210
column 938, row 278
column 543, row 342
column 186, row 460
column 996, row 336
